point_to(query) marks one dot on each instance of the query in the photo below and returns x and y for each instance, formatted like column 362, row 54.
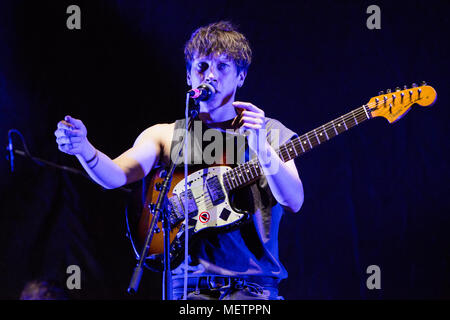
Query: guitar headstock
column 393, row 105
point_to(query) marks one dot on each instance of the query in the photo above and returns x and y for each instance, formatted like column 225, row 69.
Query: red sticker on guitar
column 204, row 217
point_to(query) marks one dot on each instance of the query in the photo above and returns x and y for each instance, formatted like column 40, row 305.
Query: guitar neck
column 250, row 171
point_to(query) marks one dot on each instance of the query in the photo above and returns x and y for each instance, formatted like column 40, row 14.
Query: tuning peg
column 388, row 91
column 405, row 87
column 414, row 85
column 424, row 83
column 397, row 89
column 380, row 93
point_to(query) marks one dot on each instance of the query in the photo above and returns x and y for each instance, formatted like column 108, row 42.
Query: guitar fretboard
column 250, row 171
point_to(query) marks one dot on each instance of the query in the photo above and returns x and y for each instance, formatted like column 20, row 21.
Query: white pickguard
column 208, row 215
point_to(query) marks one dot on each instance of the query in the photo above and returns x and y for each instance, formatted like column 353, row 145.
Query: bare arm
column 283, row 177
column 130, row 166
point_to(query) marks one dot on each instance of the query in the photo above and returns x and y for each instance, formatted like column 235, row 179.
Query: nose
column 210, row 75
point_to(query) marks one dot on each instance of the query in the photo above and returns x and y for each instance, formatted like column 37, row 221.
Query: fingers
column 74, row 122
column 247, row 106
column 70, row 148
column 251, row 120
column 70, row 135
column 66, row 148
column 249, row 116
column 68, row 140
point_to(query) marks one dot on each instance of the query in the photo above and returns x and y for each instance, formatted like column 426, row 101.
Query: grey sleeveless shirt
column 252, row 250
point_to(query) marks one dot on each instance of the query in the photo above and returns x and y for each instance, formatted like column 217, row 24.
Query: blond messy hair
column 219, row 38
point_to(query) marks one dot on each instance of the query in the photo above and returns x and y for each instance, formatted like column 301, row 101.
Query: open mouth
column 215, row 88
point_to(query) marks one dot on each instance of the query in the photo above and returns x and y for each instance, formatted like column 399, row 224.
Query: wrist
column 88, row 153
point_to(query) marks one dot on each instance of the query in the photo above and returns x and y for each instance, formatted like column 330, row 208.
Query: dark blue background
column 377, row 195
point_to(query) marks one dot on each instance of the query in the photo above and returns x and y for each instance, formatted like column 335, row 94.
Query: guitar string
column 356, row 115
column 246, row 167
column 359, row 112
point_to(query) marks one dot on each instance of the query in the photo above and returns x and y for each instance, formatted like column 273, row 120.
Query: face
column 221, row 73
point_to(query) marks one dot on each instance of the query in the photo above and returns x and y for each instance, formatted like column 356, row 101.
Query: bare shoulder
column 157, row 133
column 160, row 136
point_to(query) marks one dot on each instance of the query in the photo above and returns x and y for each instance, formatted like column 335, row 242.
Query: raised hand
column 251, row 122
column 71, row 136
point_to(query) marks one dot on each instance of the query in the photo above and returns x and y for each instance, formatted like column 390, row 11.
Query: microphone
column 11, row 153
column 203, row 92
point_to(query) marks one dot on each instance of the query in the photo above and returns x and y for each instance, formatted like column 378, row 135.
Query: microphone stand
column 160, row 209
column 46, row 163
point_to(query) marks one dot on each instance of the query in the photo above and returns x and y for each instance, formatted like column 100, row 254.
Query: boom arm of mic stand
column 59, row 167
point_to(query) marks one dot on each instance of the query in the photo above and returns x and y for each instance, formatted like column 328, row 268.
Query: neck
column 219, row 117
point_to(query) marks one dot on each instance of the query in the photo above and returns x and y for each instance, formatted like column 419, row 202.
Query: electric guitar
column 210, row 189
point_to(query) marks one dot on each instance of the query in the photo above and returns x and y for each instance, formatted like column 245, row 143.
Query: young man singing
column 242, row 263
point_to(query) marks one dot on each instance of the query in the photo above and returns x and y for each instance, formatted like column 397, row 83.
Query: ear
column 188, row 78
column 241, row 78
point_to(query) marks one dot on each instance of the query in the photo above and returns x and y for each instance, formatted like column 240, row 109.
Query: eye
column 222, row 66
column 202, row 66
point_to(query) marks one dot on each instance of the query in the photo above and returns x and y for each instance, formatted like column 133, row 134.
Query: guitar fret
column 285, row 153
column 280, row 153
column 233, row 179
column 339, row 128
column 325, row 131
column 246, row 171
column 307, row 138
column 239, row 174
column 306, row 143
column 334, row 127
column 252, row 166
column 343, row 120
column 330, row 131
column 300, row 143
column 315, row 135
column 243, row 173
column 251, row 170
column 293, row 147
column 354, row 118
column 258, row 168
column 364, row 108
column 321, row 135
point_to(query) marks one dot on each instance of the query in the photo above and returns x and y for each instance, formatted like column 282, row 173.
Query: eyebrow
column 221, row 59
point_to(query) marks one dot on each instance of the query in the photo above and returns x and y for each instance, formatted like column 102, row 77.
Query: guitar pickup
column 191, row 205
column 215, row 190
column 176, row 209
